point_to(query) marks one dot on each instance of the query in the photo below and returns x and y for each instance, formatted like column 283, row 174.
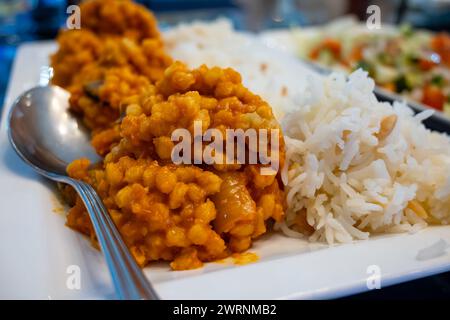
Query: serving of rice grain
column 357, row 166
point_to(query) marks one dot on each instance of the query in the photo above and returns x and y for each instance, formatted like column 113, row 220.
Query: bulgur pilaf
column 117, row 52
column 185, row 214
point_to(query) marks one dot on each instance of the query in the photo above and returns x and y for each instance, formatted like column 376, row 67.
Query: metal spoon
column 47, row 137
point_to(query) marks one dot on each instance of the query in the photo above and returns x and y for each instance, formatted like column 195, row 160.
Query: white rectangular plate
column 37, row 250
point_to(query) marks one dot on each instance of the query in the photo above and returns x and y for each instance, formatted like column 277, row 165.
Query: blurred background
column 33, row 20
column 30, row 20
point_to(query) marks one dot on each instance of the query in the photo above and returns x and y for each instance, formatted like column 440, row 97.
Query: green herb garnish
column 401, row 84
column 438, row 80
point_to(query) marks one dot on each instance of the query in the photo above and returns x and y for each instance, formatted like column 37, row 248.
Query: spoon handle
column 129, row 281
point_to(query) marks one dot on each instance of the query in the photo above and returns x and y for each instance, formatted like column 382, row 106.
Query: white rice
column 355, row 186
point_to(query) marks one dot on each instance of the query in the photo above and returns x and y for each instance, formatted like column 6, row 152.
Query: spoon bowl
column 46, row 134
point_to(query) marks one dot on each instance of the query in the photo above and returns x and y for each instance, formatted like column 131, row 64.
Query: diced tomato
column 328, row 44
column 426, row 64
column 334, row 46
column 390, row 86
column 441, row 45
column 433, row 96
column 357, row 53
column 314, row 54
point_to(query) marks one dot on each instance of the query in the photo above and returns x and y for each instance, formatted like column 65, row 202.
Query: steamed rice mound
column 356, row 166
